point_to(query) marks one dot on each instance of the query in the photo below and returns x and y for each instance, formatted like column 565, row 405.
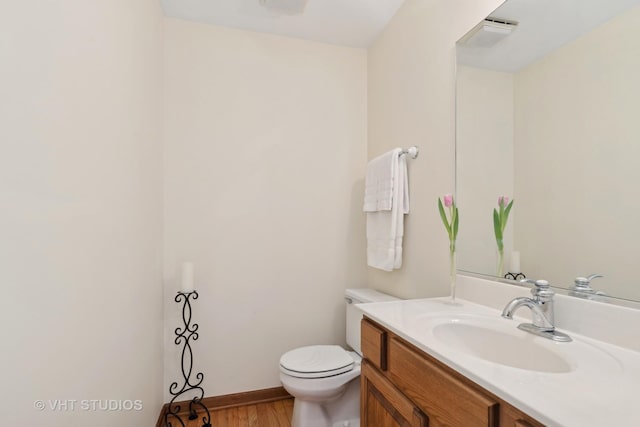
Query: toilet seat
column 316, row 361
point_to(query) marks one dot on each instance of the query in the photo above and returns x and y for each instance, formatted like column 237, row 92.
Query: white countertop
column 601, row 389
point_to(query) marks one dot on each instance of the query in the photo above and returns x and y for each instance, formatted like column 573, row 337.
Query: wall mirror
column 548, row 114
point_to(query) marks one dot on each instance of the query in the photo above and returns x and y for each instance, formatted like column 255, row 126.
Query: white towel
column 387, row 182
column 378, row 186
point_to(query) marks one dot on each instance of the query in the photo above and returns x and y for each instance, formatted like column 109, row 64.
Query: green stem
column 451, row 223
column 499, row 273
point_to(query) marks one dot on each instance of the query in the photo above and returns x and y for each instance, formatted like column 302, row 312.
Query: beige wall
column 243, row 114
column 484, row 160
column 265, row 153
column 80, row 190
column 411, row 101
column 577, row 134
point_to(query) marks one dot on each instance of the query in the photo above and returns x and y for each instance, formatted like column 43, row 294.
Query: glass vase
column 452, row 273
column 500, row 263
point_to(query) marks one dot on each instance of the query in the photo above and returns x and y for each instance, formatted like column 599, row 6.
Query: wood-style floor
column 271, row 414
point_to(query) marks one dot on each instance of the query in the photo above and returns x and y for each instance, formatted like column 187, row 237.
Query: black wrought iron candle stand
column 515, row 276
column 183, row 337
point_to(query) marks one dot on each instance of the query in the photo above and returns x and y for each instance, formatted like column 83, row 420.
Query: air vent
column 501, row 21
column 489, row 32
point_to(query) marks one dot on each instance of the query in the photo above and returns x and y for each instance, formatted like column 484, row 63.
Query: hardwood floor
column 271, row 414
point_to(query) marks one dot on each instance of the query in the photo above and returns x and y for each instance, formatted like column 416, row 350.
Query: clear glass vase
column 500, row 263
column 452, row 273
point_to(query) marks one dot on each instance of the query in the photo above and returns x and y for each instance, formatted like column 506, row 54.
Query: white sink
column 512, row 349
column 498, row 341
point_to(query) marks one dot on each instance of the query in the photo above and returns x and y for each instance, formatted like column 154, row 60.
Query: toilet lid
column 316, row 361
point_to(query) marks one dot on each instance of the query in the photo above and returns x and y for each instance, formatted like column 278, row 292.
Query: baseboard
column 246, row 398
column 232, row 400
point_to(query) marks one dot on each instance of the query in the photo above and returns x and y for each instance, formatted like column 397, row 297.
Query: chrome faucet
column 582, row 287
column 541, row 306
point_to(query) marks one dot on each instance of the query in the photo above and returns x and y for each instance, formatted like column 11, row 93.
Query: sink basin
column 511, row 348
column 475, row 337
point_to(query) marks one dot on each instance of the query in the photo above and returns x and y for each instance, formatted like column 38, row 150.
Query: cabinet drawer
column 445, row 398
column 374, row 344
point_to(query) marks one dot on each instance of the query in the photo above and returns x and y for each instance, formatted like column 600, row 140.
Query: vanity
column 432, row 362
column 403, row 385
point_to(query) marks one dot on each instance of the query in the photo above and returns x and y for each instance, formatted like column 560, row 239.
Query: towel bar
column 411, row 151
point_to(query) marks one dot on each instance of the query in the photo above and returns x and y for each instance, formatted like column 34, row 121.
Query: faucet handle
column 585, row 282
column 582, row 287
column 541, row 290
column 541, row 284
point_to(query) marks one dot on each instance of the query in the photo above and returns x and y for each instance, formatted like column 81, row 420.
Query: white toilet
column 324, row 379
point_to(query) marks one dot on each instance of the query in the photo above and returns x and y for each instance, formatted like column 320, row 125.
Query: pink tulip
column 503, row 201
column 448, row 200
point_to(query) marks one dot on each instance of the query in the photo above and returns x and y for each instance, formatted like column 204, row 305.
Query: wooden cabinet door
column 383, row 405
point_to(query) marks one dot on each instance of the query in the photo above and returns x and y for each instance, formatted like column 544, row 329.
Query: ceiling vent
column 289, row 7
column 489, row 32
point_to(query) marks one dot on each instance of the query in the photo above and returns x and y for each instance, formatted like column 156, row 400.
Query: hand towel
column 385, row 227
column 379, row 182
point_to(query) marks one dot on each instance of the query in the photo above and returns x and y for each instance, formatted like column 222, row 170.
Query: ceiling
column 354, row 23
column 543, row 26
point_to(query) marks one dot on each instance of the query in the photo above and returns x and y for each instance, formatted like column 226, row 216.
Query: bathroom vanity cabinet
column 404, row 386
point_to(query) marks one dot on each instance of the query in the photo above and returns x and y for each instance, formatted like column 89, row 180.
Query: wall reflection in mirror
column 548, row 114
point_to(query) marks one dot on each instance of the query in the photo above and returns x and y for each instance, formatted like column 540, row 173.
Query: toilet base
column 347, row 423
column 335, row 413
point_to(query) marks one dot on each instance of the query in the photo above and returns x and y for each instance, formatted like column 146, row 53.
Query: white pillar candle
column 515, row 262
column 186, row 285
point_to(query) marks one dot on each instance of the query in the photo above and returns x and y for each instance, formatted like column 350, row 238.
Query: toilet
column 325, row 379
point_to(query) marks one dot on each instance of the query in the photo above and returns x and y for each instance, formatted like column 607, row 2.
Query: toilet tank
column 354, row 314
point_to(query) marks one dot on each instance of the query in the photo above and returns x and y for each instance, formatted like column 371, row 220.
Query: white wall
column 411, row 95
column 80, row 191
column 577, row 134
column 265, row 152
column 484, row 158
